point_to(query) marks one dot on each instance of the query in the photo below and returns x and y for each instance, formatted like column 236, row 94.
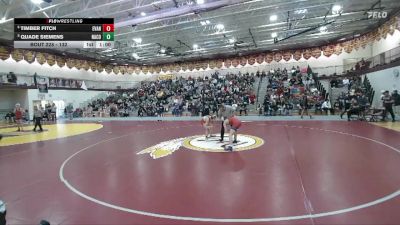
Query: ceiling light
column 336, row 9
column 135, row 55
column 200, row 2
column 323, row 29
column 36, row 1
column 300, row 11
column 342, row 39
column 232, row 40
column 195, row 46
column 220, row 26
column 142, row 13
column 3, row 20
column 274, row 35
column 357, row 35
column 112, row 59
column 206, row 22
column 273, row 18
column 162, row 50
column 137, row 40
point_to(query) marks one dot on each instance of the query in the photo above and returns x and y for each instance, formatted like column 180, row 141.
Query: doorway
column 59, row 104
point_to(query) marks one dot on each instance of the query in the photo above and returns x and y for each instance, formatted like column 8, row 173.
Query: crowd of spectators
column 356, row 102
column 179, row 96
column 288, row 91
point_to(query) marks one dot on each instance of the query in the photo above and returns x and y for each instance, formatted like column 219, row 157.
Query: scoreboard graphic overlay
column 63, row 33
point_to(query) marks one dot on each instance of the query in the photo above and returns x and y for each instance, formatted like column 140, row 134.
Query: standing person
column 206, row 122
column 225, row 112
column 18, row 111
column 259, row 109
column 53, row 113
column 48, row 111
column 26, row 117
column 347, row 104
column 396, row 98
column 304, row 106
column 388, row 101
column 234, row 125
column 37, row 114
column 354, row 108
column 70, row 111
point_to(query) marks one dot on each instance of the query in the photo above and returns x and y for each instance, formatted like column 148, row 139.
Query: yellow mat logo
column 163, row 149
column 53, row 131
column 200, row 143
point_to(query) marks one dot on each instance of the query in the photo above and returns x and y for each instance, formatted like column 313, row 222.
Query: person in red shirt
column 18, row 111
column 234, row 124
column 252, row 98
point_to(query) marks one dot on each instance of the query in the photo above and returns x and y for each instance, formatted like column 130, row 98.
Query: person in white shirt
column 207, row 123
column 326, row 105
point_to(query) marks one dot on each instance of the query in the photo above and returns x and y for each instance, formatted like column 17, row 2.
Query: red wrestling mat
column 298, row 173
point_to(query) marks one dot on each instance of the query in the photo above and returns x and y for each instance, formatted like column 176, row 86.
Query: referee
column 225, row 112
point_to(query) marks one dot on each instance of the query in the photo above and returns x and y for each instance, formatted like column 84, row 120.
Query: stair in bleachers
column 336, row 92
column 263, row 90
column 369, row 91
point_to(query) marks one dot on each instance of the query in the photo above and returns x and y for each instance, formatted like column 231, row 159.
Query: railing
column 321, row 89
column 27, row 81
column 385, row 57
column 258, row 89
column 379, row 62
column 381, row 59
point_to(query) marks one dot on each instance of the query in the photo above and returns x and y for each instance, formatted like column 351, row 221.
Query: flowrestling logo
column 377, row 14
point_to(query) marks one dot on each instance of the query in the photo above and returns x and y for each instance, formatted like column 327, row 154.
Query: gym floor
column 117, row 172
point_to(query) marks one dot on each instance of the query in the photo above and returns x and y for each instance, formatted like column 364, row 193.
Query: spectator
column 53, row 112
column 259, row 109
column 326, row 106
column 191, row 96
column 70, row 110
column 396, row 98
column 347, row 104
column 10, row 117
column 304, row 105
column 11, row 78
column 26, row 117
column 388, row 104
column 18, row 111
column 37, row 114
column 354, row 108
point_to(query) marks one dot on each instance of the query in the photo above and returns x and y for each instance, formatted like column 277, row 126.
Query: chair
column 374, row 115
